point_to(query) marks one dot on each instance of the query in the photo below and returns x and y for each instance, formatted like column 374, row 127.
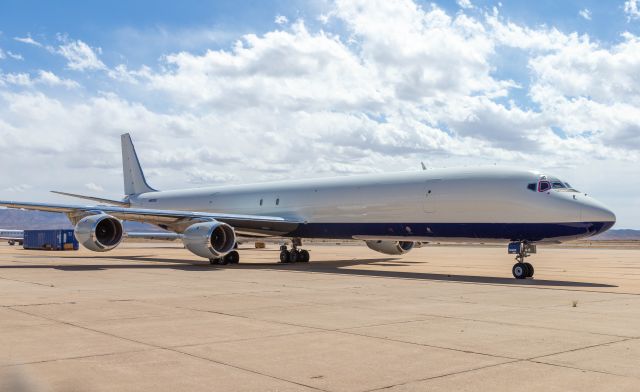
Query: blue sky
column 320, row 88
column 123, row 27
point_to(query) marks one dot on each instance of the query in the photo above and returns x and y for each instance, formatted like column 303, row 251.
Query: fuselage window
column 544, row 186
column 277, row 202
column 532, row 187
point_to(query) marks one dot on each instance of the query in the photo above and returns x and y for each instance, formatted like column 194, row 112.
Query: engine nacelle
column 209, row 239
column 99, row 233
column 391, row 247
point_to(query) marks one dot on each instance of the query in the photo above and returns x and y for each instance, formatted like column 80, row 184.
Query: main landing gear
column 232, row 257
column 522, row 249
column 294, row 255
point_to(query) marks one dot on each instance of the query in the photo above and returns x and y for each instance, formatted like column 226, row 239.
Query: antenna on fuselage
column 423, row 166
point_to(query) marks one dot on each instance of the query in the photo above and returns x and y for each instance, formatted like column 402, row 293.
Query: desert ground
column 151, row 316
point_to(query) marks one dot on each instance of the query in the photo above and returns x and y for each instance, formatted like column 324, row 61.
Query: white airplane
column 389, row 212
column 12, row 236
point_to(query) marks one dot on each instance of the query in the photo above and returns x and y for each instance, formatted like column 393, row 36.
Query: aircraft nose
column 595, row 212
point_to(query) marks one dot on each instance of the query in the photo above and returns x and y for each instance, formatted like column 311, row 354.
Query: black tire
column 12, row 243
column 284, row 256
column 530, row 270
column 213, row 261
column 519, row 271
column 294, row 256
column 223, row 261
column 304, row 256
column 232, row 257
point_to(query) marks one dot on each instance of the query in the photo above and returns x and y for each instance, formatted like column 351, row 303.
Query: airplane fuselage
column 446, row 205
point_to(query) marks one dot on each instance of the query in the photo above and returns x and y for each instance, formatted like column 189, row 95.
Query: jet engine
column 99, row 233
column 391, row 247
column 209, row 239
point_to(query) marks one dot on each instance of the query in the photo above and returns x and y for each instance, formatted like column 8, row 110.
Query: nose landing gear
column 522, row 249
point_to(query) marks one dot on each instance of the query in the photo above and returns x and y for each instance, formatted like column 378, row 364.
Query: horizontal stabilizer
column 98, row 199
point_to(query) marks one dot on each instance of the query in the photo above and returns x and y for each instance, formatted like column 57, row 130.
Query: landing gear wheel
column 214, row 261
column 519, row 271
column 294, row 256
column 12, row 243
column 284, row 256
column 232, row 257
column 304, row 256
column 530, row 270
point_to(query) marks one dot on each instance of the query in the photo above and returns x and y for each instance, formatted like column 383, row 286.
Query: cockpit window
column 532, row 187
column 544, row 186
column 546, row 183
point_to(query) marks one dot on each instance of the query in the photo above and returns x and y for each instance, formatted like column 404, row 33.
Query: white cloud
column 19, row 188
column 585, row 13
column 15, row 56
column 631, row 9
column 466, row 4
column 93, row 187
column 80, row 56
column 281, row 20
column 20, row 79
column 43, row 78
column 28, row 40
column 396, row 84
column 51, row 79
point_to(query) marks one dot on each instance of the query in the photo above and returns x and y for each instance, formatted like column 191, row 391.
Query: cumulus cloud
column 631, row 9
column 42, row 78
column 80, row 56
column 396, row 84
column 465, row 4
column 281, row 20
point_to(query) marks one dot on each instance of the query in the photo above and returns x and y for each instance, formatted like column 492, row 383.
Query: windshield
column 547, row 182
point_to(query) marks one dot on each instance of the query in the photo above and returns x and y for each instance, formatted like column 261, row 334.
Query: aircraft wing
column 168, row 236
column 174, row 220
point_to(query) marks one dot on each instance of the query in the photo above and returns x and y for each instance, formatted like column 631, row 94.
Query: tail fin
column 134, row 181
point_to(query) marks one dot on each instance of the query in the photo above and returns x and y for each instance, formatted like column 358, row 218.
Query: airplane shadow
column 338, row 267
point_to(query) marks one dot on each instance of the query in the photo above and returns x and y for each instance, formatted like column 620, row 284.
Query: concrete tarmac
column 442, row 318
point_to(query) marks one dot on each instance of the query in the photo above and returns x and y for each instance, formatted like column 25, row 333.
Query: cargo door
column 430, row 195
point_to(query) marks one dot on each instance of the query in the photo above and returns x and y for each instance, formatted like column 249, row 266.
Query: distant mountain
column 30, row 220
column 619, row 235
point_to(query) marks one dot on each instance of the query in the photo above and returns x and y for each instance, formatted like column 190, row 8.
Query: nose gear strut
column 522, row 249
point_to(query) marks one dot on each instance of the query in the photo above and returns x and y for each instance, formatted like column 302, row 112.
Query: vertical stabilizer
column 134, row 181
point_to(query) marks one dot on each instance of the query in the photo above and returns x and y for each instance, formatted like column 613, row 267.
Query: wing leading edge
column 173, row 220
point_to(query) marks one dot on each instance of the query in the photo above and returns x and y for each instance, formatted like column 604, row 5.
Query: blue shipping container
column 50, row 240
